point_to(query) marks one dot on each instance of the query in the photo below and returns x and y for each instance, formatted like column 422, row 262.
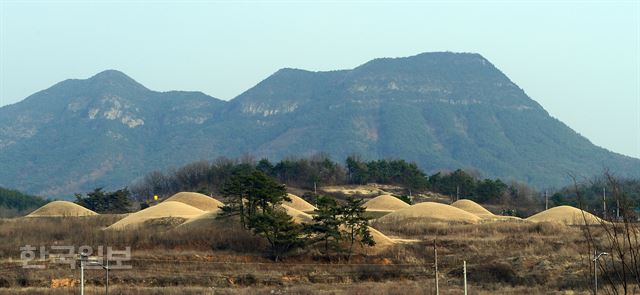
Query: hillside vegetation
column 13, row 202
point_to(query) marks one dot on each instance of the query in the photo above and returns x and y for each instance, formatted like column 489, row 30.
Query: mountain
column 103, row 131
column 441, row 110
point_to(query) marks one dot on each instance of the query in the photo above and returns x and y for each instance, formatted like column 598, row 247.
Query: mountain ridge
column 442, row 110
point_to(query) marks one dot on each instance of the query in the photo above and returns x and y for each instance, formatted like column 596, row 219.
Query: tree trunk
column 351, row 246
column 326, row 246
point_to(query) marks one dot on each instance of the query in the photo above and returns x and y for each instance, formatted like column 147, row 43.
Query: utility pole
column 546, row 201
column 315, row 190
column 464, row 271
column 82, row 258
column 457, row 192
column 435, row 254
column 595, row 272
column 595, row 269
column 107, row 285
column 604, row 202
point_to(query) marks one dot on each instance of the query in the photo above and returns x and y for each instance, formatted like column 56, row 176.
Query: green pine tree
column 356, row 225
column 278, row 228
column 236, row 193
column 106, row 202
column 266, row 194
column 256, row 198
column 327, row 224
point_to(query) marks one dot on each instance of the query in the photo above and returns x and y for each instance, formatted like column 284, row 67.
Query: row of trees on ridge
column 319, row 170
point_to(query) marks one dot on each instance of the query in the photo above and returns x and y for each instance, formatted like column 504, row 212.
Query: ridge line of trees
column 319, row 170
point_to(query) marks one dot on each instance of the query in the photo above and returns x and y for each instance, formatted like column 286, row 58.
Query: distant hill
column 17, row 201
column 442, row 110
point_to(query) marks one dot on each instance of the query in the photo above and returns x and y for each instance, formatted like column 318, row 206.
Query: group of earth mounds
column 188, row 210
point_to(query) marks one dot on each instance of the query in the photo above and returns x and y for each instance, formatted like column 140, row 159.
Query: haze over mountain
column 442, row 110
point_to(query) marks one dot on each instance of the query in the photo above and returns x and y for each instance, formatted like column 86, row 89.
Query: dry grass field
column 502, row 258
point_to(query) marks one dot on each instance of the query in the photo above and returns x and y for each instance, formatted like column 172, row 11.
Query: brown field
column 502, row 257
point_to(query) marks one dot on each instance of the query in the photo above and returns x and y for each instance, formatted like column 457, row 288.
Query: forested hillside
column 13, row 202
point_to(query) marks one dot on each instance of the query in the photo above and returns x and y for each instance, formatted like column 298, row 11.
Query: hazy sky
column 579, row 60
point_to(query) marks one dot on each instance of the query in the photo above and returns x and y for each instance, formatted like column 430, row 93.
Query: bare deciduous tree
column 619, row 237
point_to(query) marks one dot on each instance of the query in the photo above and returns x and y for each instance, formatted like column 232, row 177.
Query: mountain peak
column 426, row 59
column 115, row 78
column 110, row 73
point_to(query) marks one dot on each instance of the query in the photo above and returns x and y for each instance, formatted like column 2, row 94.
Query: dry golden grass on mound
column 476, row 209
column 209, row 219
column 565, row 215
column 299, row 204
column 385, row 202
column 162, row 210
column 353, row 189
column 297, row 215
column 376, row 214
column 61, row 209
column 382, row 241
column 200, row 201
column 432, row 212
column 472, row 207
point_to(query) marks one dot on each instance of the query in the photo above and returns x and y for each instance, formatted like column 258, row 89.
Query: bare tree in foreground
column 619, row 271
